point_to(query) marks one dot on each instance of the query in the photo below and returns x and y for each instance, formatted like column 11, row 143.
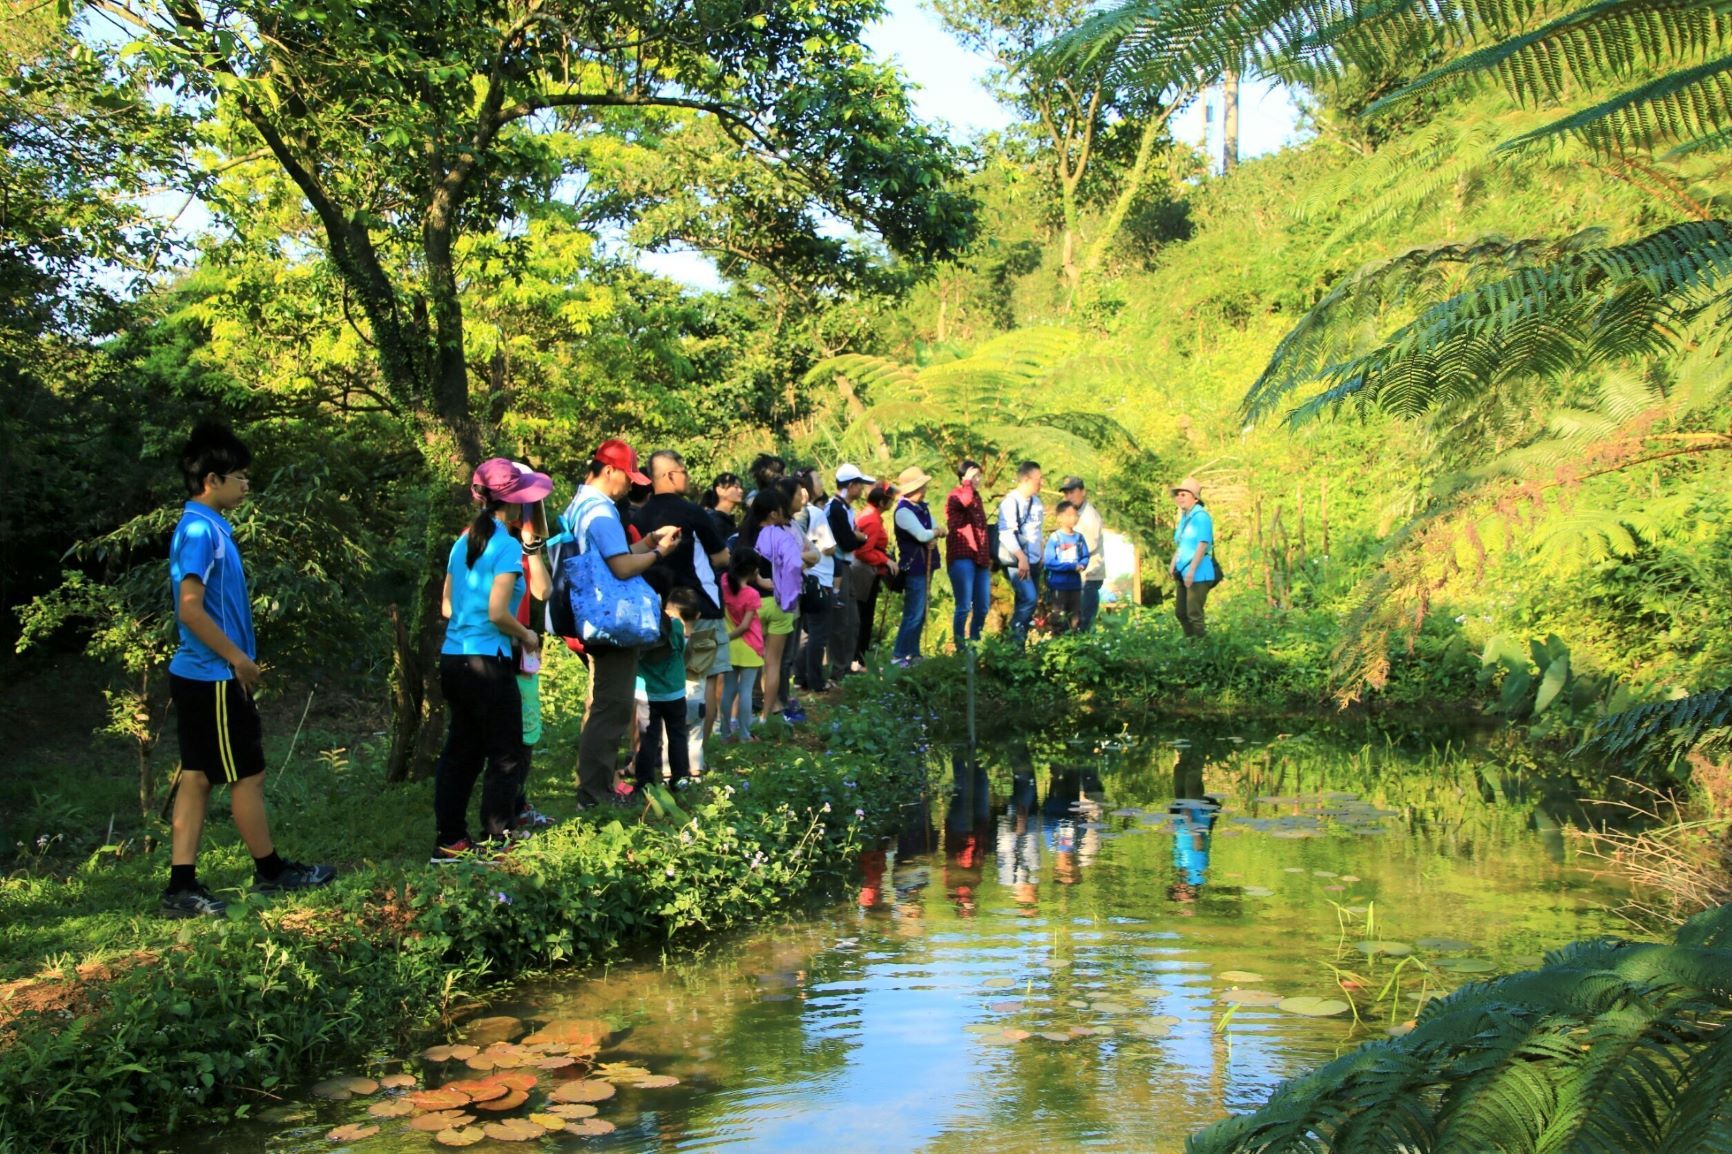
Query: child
column 663, row 667
column 1067, row 555
column 740, row 604
column 212, row 677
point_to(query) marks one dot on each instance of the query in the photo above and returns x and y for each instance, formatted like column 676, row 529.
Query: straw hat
column 1189, row 485
column 912, row 479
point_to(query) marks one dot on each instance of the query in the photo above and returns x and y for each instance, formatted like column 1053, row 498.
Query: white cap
column 848, row 474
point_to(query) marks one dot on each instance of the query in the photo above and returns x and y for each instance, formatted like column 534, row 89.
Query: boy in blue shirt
column 663, row 667
column 1067, row 555
column 212, row 677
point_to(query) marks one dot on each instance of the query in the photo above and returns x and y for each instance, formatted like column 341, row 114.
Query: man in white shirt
column 1020, row 544
column 1088, row 523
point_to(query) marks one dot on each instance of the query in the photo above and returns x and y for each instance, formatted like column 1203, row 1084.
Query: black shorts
column 219, row 729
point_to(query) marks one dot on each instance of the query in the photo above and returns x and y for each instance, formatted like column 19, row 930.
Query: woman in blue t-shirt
column 1193, row 556
column 484, row 583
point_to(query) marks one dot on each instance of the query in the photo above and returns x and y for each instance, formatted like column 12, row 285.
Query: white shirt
column 1088, row 523
column 817, row 531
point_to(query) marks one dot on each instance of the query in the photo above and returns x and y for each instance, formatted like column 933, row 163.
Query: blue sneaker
column 793, row 715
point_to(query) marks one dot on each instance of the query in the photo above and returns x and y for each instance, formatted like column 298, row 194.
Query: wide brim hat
column 502, row 479
column 912, row 479
column 1189, row 485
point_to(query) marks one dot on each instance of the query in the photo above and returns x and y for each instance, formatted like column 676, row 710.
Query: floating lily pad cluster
column 501, row 1084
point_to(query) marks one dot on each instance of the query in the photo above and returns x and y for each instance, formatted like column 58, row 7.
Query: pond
column 1096, row 943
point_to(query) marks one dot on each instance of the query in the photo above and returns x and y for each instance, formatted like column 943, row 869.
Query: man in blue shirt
column 1021, row 545
column 212, row 677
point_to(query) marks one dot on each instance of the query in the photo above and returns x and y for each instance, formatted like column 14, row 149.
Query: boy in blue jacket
column 1067, row 555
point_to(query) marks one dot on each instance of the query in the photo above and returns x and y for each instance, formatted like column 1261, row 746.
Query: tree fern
column 1609, row 1047
column 1664, row 728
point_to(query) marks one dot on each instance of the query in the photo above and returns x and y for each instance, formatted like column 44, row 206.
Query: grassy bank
column 119, row 1026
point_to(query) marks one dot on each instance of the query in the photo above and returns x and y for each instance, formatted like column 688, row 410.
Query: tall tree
column 1079, row 108
column 405, row 127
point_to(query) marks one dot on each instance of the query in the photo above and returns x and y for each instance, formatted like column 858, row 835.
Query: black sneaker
column 197, row 902
column 295, row 876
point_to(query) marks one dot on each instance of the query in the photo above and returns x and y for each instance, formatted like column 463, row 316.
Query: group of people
column 759, row 593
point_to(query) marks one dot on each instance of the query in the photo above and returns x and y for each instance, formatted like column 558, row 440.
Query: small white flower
column 826, row 808
column 859, row 813
column 670, row 871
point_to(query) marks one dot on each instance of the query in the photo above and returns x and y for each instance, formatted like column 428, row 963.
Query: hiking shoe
column 197, row 902
column 460, row 850
column 793, row 715
column 615, row 801
column 295, row 876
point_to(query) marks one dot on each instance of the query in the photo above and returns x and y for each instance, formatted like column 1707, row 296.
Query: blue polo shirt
column 1194, row 528
column 203, row 546
column 470, row 631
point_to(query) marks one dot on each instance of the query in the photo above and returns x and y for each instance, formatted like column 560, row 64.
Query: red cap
column 620, row 456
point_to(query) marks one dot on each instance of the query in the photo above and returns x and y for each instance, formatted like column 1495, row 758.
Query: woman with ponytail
column 484, row 583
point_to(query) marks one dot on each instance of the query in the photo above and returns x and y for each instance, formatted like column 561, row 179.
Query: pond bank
column 226, row 1014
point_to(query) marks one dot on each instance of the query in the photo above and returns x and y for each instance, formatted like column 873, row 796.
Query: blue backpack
column 597, row 607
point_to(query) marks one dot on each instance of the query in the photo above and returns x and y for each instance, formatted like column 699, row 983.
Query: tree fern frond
column 1584, row 44
column 1678, row 724
column 1582, row 309
column 1694, row 104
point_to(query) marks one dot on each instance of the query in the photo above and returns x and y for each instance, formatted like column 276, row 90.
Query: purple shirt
column 781, row 548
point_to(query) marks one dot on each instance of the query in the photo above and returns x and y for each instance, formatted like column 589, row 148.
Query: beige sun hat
column 911, row 479
column 1189, row 485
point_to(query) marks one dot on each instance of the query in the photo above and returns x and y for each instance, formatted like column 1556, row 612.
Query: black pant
column 1067, row 609
column 869, row 617
column 669, row 716
column 485, row 728
column 818, row 623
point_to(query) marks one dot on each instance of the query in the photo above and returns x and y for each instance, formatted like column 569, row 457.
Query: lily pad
column 441, row 1120
column 999, row 983
column 1390, row 949
column 1314, row 1007
column 391, row 1108
column 1151, row 992
column 1251, row 997
column 396, row 1081
column 511, row 1101
column 571, row 1111
column 459, row 1136
column 515, row 1080
column 590, row 1127
column 583, row 1090
column 656, row 1082
column 353, row 1132
column 621, row 1072
column 515, row 1130
column 1466, row 965
column 1444, row 945
column 1004, row 1007
column 552, row 1123
column 1237, row 976
column 1110, row 1008
column 1053, row 1035
column 342, row 1089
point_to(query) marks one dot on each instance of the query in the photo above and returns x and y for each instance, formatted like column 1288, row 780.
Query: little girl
column 740, row 602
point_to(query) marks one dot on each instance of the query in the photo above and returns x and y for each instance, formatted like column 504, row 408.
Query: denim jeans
column 972, row 586
column 1091, row 605
column 1027, row 593
column 737, row 686
column 913, row 616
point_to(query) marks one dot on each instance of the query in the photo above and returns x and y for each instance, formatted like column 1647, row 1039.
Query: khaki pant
column 1188, row 606
column 608, row 709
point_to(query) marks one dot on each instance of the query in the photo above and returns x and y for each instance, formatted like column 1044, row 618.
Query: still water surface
column 1075, row 946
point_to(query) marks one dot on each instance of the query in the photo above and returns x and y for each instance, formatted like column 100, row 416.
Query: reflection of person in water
column 1018, row 843
column 1194, row 813
column 1073, row 809
column 967, row 821
column 872, row 863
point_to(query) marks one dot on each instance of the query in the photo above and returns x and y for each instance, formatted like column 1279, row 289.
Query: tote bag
column 604, row 609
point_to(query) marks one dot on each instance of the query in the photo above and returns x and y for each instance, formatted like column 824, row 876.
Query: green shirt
column 663, row 665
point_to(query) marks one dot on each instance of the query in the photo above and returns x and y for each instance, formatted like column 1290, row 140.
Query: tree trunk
column 1230, row 121
column 1129, row 189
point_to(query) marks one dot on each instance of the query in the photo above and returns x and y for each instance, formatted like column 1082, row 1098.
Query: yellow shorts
column 778, row 622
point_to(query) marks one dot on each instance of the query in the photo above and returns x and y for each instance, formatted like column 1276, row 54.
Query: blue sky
column 949, row 90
